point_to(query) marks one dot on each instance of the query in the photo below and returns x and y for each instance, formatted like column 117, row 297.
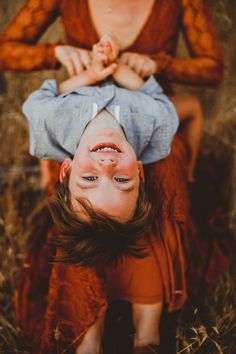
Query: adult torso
column 152, row 27
column 125, row 19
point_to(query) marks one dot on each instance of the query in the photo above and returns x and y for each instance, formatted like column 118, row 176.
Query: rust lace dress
column 60, row 302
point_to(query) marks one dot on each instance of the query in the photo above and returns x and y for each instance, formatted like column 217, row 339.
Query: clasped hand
column 76, row 60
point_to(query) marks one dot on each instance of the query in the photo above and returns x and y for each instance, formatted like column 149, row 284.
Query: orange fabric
column 60, row 310
column 161, row 276
column 70, row 287
column 168, row 190
column 32, row 294
column 77, row 298
column 158, row 38
column 135, row 280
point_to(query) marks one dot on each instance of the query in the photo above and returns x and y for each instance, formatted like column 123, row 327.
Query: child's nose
column 107, row 162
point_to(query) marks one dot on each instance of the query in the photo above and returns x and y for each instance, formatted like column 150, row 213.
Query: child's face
column 105, row 171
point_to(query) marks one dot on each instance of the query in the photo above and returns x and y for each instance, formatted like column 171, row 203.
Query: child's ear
column 141, row 171
column 64, row 168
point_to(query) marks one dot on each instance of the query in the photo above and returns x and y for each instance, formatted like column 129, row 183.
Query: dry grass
column 11, row 340
column 210, row 328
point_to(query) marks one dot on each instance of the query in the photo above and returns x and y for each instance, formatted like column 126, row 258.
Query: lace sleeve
column 206, row 63
column 17, row 49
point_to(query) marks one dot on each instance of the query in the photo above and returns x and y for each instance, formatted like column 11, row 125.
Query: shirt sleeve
column 151, row 87
column 163, row 135
column 40, row 111
column 165, row 124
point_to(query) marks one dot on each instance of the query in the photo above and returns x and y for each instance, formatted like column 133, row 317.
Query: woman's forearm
column 18, row 51
column 16, row 56
column 206, row 64
column 197, row 71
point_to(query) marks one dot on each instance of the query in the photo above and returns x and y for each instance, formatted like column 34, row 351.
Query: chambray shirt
column 57, row 121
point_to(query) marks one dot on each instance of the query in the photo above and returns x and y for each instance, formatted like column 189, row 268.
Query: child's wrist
column 91, row 77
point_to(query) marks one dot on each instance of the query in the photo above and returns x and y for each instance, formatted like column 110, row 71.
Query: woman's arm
column 206, row 65
column 17, row 49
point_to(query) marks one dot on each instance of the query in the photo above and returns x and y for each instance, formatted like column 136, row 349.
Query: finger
column 145, row 69
column 112, row 50
column 85, row 57
column 99, row 49
column 125, row 57
column 99, row 46
column 149, row 69
column 108, row 70
column 153, row 67
column 69, row 67
column 102, row 58
column 140, row 65
column 94, row 48
column 107, row 48
column 75, row 58
column 132, row 61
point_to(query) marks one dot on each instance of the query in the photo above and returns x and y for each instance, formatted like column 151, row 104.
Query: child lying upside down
column 101, row 132
column 188, row 108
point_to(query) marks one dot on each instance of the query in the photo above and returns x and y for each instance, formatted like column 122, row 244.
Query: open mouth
column 106, row 147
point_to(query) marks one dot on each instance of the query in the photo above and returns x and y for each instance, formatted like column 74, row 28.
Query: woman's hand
column 141, row 64
column 74, row 59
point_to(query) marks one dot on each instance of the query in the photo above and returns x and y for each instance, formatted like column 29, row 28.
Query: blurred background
column 206, row 328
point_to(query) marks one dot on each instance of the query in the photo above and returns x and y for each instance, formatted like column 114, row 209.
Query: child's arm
column 123, row 75
column 126, row 77
column 103, row 56
column 94, row 73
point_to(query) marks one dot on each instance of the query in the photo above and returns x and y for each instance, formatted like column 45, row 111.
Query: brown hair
column 96, row 239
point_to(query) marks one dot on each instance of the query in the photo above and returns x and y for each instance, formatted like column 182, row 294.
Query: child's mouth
column 105, row 147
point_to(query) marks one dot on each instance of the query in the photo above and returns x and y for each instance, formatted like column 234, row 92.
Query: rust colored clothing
column 158, row 38
column 63, row 308
column 60, row 310
column 161, row 276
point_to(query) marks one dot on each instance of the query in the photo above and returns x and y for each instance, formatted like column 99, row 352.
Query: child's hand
column 98, row 69
column 98, row 54
column 110, row 46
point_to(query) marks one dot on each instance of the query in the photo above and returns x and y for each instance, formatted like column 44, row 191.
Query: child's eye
column 121, row 180
column 90, row 178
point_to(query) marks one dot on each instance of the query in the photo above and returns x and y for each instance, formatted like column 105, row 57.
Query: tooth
column 106, row 148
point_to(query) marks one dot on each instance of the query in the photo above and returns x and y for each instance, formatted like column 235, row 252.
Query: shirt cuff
column 151, row 87
column 51, row 87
